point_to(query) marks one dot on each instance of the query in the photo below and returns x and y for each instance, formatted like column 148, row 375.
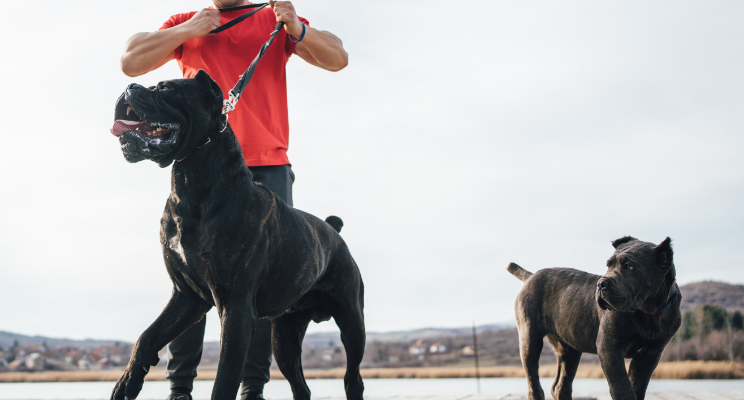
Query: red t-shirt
column 260, row 120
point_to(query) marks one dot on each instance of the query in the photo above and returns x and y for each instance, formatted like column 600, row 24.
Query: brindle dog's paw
column 130, row 384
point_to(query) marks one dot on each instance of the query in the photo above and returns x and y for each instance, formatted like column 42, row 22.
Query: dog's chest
column 174, row 243
column 186, row 239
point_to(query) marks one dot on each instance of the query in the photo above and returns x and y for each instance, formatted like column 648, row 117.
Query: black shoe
column 179, row 396
column 252, row 396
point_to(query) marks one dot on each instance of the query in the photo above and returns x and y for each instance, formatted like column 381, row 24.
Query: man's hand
column 319, row 48
column 285, row 12
column 203, row 22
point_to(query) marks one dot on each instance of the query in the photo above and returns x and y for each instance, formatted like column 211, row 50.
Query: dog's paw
column 130, row 384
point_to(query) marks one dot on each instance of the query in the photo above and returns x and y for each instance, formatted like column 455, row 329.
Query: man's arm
column 147, row 51
column 320, row 48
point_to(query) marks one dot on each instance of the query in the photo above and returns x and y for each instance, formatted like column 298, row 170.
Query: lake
column 279, row 389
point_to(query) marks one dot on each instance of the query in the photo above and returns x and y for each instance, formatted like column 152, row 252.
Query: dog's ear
column 209, row 84
column 622, row 240
column 664, row 253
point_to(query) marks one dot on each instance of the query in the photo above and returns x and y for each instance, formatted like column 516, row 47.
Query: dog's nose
column 602, row 284
column 134, row 86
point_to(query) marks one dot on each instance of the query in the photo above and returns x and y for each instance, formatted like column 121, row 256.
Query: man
column 260, row 122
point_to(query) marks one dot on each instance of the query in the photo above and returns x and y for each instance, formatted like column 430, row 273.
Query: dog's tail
column 521, row 273
column 335, row 222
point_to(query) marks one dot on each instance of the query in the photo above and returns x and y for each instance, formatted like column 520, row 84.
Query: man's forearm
column 325, row 48
column 147, row 51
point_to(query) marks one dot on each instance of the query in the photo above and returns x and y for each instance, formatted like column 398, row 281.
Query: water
column 279, row 389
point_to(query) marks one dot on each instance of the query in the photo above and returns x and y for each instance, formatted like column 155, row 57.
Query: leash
column 234, row 94
column 239, row 19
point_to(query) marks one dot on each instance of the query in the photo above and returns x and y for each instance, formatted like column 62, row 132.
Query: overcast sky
column 462, row 136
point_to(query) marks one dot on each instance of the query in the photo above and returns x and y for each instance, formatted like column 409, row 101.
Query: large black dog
column 630, row 312
column 231, row 244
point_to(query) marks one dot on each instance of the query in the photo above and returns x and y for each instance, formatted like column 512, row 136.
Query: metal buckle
column 229, row 103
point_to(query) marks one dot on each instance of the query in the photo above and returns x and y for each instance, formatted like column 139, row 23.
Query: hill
column 323, row 338
column 728, row 296
column 313, row 339
column 7, row 339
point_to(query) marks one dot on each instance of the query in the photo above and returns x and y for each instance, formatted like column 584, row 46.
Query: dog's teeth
column 129, row 109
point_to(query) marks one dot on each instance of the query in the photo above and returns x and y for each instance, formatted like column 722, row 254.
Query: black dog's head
column 640, row 276
column 168, row 121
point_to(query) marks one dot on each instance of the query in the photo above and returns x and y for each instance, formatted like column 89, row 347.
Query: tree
column 737, row 321
column 689, row 327
column 710, row 318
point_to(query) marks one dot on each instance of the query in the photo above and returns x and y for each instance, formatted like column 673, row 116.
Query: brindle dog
column 230, row 243
column 630, row 312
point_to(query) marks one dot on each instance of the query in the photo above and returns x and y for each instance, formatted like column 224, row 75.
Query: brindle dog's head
column 168, row 121
column 640, row 277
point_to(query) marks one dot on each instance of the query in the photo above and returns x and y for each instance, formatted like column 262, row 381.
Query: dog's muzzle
column 605, row 299
column 141, row 139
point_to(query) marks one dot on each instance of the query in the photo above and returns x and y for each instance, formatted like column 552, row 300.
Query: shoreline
column 669, row 370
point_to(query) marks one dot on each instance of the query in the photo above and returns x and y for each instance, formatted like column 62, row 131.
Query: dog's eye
column 627, row 266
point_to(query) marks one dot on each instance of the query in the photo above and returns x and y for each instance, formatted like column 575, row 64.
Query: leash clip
column 229, row 103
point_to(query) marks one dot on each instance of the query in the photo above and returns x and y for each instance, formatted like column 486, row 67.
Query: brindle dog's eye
column 627, row 266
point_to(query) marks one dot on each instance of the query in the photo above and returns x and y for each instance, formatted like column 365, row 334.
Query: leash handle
column 239, row 19
column 234, row 95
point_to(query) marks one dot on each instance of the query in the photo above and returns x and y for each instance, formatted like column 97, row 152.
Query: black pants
column 184, row 353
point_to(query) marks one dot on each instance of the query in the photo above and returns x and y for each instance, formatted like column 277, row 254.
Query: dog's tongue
column 121, row 126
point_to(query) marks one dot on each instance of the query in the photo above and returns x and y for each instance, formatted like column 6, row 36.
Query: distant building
column 393, row 358
column 34, row 362
column 17, row 365
column 103, row 364
column 417, row 349
column 437, row 348
column 83, row 364
column 468, row 351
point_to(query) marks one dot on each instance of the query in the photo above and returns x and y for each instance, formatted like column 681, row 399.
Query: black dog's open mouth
column 143, row 134
column 127, row 120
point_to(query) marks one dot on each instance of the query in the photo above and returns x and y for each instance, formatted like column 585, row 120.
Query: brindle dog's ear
column 210, row 85
column 622, row 240
column 664, row 253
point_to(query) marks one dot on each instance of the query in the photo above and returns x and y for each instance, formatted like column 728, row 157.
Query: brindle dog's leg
column 568, row 362
column 238, row 318
column 287, row 334
column 530, row 347
column 350, row 321
column 346, row 305
column 613, row 365
column 179, row 314
column 641, row 368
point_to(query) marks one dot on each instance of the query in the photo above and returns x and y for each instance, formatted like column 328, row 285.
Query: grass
column 670, row 370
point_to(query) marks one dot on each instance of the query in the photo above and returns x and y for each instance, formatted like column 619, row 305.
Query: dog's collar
column 669, row 303
column 209, row 139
